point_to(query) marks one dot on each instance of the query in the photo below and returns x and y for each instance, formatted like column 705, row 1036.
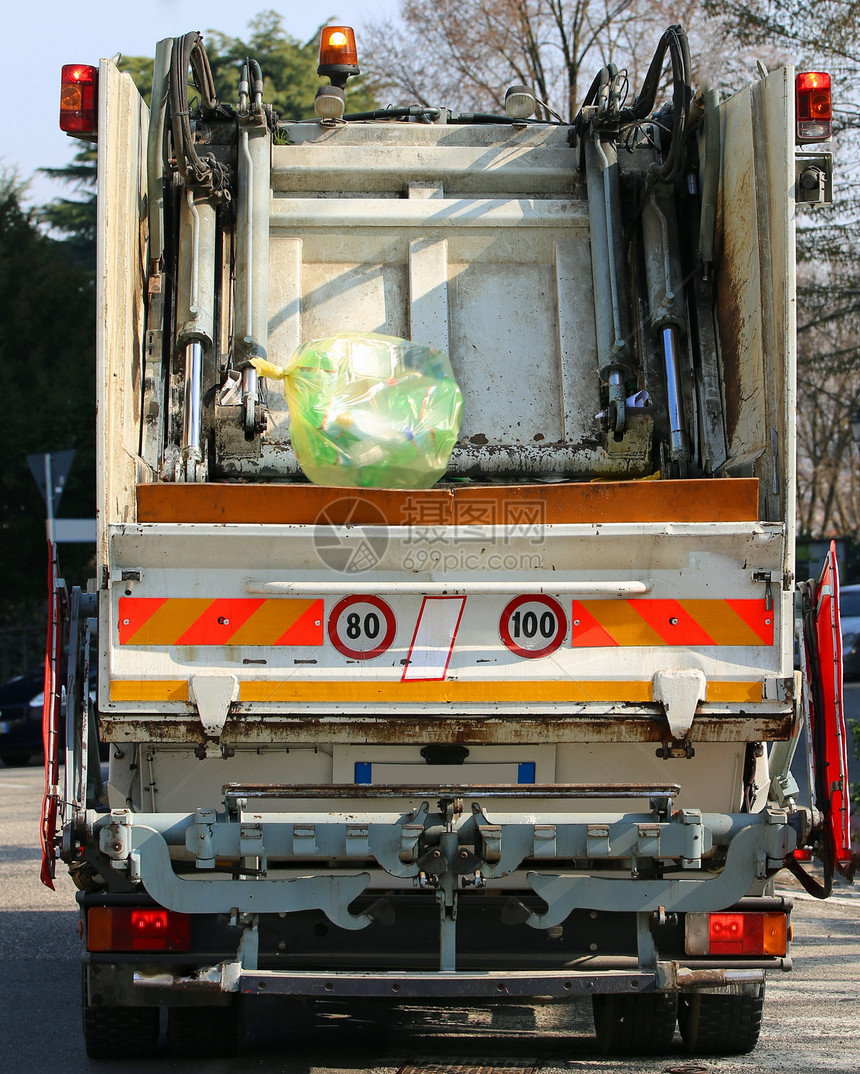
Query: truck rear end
column 525, row 734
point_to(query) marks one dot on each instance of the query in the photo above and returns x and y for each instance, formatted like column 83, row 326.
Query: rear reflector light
column 79, row 98
column 813, row 112
column 134, row 928
column 737, row 934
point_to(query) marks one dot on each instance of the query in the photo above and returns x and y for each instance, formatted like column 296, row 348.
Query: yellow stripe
column 622, row 623
column 170, row 621
column 149, row 690
column 270, row 622
column 735, row 693
column 537, row 691
column 718, row 619
column 487, row 693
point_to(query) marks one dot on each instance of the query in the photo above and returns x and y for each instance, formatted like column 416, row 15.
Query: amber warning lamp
column 338, row 54
column 79, row 99
column 812, row 107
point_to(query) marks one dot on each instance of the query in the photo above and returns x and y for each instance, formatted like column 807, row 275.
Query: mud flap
column 824, row 714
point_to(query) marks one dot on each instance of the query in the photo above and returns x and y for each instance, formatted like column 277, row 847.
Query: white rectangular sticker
column 433, row 640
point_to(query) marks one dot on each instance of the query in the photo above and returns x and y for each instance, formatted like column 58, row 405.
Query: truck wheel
column 206, row 1031
column 635, row 1025
column 721, row 1023
column 119, row 1032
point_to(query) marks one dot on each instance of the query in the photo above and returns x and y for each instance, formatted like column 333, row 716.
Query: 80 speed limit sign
column 361, row 627
column 533, row 626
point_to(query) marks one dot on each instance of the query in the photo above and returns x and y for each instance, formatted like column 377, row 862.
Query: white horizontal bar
column 629, row 588
column 427, row 212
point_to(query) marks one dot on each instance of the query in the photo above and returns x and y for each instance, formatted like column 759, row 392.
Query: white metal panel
column 121, row 255
column 678, row 561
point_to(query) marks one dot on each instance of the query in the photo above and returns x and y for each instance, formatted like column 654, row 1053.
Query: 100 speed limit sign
column 533, row 626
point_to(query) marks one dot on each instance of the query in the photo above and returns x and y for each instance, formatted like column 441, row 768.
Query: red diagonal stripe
column 755, row 614
column 307, row 629
column 219, row 622
column 134, row 612
column 586, row 631
column 669, row 619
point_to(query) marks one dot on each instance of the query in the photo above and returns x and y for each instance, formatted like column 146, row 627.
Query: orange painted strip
column 363, row 691
column 652, row 622
column 149, row 690
column 240, row 621
column 703, row 500
column 443, row 692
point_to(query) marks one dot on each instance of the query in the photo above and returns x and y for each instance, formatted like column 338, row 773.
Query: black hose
column 399, row 112
column 204, row 172
column 674, row 41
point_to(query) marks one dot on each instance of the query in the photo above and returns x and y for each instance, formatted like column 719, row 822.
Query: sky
column 55, row 32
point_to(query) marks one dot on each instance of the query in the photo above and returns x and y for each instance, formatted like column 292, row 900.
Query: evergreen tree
column 47, row 348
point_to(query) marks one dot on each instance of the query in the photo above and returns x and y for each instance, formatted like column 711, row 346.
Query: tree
column 823, row 36
column 47, row 317
column 466, row 53
column 47, row 347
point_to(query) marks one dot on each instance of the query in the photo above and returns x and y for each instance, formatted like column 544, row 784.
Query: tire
column 205, row 1032
column 635, row 1025
column 119, row 1032
column 721, row 1023
column 15, row 760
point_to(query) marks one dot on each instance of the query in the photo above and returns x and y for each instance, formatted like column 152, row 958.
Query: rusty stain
column 614, row 726
column 730, row 321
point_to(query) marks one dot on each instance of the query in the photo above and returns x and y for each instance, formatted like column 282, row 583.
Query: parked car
column 21, row 703
column 20, row 727
column 849, row 609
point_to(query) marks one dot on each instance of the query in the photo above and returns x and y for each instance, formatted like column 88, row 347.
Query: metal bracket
column 564, row 893
column 213, row 695
column 680, row 691
column 331, row 894
column 814, row 178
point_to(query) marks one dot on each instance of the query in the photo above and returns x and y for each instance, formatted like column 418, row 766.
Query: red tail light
column 137, row 928
column 79, row 99
column 813, row 111
column 739, row 934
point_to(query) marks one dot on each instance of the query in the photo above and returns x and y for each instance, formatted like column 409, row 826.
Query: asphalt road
column 812, row 1015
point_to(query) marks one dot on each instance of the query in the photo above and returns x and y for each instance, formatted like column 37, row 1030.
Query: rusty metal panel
column 612, row 724
column 755, row 286
column 119, row 294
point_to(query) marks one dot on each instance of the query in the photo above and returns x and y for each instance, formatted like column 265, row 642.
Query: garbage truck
column 516, row 729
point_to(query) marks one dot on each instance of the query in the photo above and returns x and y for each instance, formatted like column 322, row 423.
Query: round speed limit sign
column 361, row 627
column 533, row 625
